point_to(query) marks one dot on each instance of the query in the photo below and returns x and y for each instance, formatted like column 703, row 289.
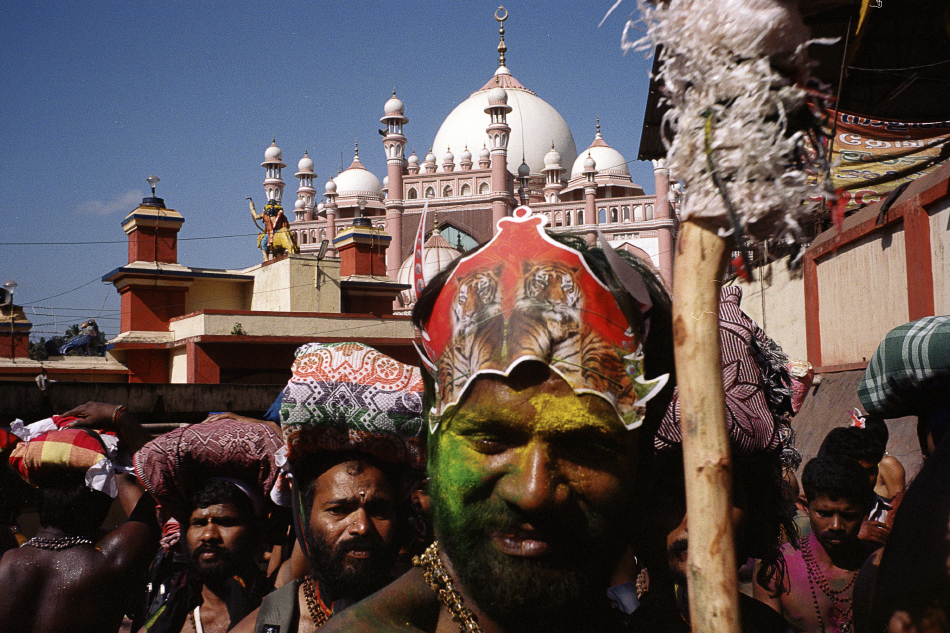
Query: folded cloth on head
column 347, row 396
column 44, row 457
column 909, row 373
column 172, row 466
column 755, row 381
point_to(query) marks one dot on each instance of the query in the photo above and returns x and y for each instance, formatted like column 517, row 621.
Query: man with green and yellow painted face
column 547, row 366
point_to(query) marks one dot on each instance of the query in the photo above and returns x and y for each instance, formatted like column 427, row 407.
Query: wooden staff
column 712, row 576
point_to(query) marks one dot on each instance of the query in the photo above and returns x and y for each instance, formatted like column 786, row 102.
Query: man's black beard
column 215, row 571
column 552, row 593
column 354, row 579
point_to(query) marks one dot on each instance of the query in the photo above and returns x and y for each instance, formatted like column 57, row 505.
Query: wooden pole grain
column 712, row 573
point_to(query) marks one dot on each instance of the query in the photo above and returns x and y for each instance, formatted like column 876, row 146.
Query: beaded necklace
column 317, row 613
column 58, row 543
column 841, row 606
column 441, row 582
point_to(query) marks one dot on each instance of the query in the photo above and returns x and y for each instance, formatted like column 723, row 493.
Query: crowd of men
column 528, row 478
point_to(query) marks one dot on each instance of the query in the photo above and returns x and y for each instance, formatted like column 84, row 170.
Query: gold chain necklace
column 317, row 613
column 441, row 582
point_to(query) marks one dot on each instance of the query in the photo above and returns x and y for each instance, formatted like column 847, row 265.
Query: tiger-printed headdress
column 524, row 296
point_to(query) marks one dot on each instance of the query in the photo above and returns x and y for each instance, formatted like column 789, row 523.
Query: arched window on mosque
column 303, row 237
column 313, row 236
column 483, row 188
column 430, row 192
column 580, row 217
column 323, row 234
column 649, row 212
column 626, row 214
column 567, row 218
column 602, row 216
column 466, row 190
column 613, row 215
column 412, row 194
column 447, row 191
column 638, row 213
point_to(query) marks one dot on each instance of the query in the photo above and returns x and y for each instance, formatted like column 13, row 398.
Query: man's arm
column 130, row 547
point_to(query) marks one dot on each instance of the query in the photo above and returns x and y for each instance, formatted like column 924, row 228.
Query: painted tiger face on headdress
column 526, row 297
column 474, row 309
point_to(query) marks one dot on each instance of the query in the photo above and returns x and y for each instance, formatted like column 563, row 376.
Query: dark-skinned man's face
column 531, row 492
column 220, row 540
column 351, row 532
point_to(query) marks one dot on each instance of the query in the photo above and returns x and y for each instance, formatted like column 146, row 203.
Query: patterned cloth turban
column 755, row 381
column 45, row 454
column 172, row 466
column 347, row 396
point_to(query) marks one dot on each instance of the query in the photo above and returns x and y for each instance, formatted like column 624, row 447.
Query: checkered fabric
column 347, row 396
column 913, row 359
column 171, row 466
column 756, row 389
column 42, row 458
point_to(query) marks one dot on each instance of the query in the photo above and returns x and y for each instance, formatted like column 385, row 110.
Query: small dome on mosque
column 523, row 170
column 466, row 155
column 448, row 157
column 273, row 152
column 437, row 253
column 430, row 157
column 413, row 159
column 589, row 163
column 484, row 153
column 385, row 181
column 305, row 164
column 331, row 186
column 394, row 107
column 552, row 158
column 497, row 96
column 356, row 180
column 300, row 204
column 320, row 207
column 609, row 161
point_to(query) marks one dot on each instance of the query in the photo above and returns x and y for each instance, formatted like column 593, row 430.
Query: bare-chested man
column 67, row 579
column 821, row 571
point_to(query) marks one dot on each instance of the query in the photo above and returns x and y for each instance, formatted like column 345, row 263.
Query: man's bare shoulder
column 406, row 604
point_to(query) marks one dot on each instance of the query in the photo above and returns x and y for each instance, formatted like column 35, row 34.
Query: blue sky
column 98, row 95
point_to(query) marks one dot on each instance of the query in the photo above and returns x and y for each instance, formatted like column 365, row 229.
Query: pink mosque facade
column 500, row 139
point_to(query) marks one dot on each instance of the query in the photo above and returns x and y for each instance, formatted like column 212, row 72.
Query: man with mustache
column 816, row 587
column 539, row 447
column 213, row 479
column 351, row 418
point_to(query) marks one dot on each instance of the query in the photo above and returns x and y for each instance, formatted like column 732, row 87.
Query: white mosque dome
column 299, row 205
column 358, row 181
column 394, row 107
column 608, row 160
column 466, row 155
column 273, row 153
column 534, row 124
column 305, row 164
column 430, row 157
column 484, row 153
column 589, row 162
column 413, row 159
column 552, row 158
column 331, row 186
column 437, row 254
column 449, row 156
